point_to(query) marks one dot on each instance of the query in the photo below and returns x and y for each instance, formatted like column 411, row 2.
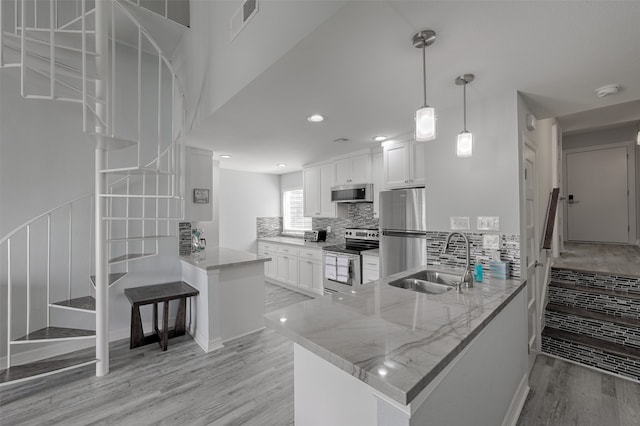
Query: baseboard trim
column 520, row 397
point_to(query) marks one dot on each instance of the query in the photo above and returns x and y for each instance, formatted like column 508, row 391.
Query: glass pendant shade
column 638, row 138
column 425, row 124
column 464, row 146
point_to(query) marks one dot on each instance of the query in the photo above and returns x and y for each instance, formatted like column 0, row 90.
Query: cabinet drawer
column 288, row 250
column 266, row 253
column 310, row 254
column 265, row 246
column 370, row 262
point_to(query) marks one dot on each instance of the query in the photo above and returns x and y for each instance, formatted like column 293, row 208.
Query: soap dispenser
column 477, row 271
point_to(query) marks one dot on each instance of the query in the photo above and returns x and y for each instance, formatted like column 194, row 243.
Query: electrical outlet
column 459, row 223
column 491, row 242
column 488, row 223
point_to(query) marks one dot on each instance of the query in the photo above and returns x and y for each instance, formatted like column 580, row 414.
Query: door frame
column 631, row 185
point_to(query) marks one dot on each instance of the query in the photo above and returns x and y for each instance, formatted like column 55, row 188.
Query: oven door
column 342, row 272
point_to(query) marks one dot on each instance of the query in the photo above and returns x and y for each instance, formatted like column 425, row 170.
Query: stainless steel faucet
column 466, row 278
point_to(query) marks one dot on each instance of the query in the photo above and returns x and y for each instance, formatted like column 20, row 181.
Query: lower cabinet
column 370, row 268
column 297, row 268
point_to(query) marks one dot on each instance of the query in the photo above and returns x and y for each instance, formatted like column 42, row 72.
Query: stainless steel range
column 343, row 262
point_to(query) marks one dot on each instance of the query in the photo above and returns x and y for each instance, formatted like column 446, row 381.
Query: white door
column 598, row 195
column 532, row 249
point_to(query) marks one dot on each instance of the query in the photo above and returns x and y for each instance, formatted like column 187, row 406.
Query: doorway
column 599, row 184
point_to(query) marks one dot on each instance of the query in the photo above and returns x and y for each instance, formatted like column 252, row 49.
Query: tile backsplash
column 268, row 226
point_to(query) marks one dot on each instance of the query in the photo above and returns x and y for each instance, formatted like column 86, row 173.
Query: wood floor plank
column 249, row 381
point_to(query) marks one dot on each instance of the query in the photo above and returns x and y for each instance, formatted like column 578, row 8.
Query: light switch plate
column 459, row 223
column 491, row 242
column 488, row 223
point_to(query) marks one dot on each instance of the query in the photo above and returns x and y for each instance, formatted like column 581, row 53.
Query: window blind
column 293, row 219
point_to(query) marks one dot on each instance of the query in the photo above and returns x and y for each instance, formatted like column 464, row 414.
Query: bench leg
column 137, row 334
column 180, row 326
column 165, row 326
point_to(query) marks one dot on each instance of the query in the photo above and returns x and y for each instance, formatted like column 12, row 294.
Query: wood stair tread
column 585, row 313
column 86, row 303
column 51, row 333
column 20, row 373
column 113, row 278
column 594, row 290
column 602, row 345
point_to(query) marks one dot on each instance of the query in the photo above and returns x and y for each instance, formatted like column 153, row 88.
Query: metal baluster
column 9, row 303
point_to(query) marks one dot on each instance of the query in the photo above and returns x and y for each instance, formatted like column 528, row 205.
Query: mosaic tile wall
column 456, row 253
column 603, row 303
column 605, row 330
column 268, row 226
column 598, row 280
column 624, row 366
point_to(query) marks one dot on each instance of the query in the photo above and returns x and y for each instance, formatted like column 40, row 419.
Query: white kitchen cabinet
column 370, row 268
column 310, row 275
column 404, row 165
column 287, row 269
column 317, row 183
column 271, row 267
column 377, row 178
column 356, row 169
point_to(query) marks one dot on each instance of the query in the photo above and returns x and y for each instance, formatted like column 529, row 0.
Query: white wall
column 485, row 184
column 206, row 53
column 244, row 196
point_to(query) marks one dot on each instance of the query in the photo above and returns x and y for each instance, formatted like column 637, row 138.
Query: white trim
column 519, row 398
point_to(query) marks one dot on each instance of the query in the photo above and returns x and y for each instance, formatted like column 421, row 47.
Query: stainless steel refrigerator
column 403, row 221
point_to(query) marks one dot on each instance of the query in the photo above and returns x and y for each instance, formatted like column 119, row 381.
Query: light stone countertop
column 409, row 336
column 219, row 257
column 296, row 242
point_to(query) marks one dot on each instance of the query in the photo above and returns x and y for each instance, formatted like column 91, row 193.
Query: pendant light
column 464, row 145
column 425, row 116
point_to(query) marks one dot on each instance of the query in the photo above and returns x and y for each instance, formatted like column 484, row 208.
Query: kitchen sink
column 430, row 282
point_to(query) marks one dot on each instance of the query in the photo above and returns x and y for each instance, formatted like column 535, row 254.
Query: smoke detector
column 609, row 89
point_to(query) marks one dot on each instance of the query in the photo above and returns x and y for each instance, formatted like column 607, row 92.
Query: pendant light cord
column 464, row 105
column 424, row 72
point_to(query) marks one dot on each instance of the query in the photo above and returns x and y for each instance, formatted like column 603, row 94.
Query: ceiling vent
column 341, row 140
column 244, row 14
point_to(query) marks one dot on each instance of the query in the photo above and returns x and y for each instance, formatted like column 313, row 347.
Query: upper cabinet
column 356, row 169
column 317, row 183
column 404, row 165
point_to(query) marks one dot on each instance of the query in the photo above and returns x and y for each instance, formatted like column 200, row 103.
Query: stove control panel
column 362, row 234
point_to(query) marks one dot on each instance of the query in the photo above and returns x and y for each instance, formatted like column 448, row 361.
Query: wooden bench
column 146, row 295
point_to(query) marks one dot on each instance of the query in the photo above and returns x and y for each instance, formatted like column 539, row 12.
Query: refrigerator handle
column 405, row 234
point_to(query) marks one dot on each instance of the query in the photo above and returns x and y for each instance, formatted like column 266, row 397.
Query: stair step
column 595, row 290
column 609, row 302
column 61, row 68
column 593, row 352
column 137, row 171
column 86, row 304
column 623, row 331
column 55, row 333
column 42, row 39
column 147, row 238
column 36, row 370
column 585, row 313
column 111, row 143
column 130, row 256
column 113, row 278
column 604, row 280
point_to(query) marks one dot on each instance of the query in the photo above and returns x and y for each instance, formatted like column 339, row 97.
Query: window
column 294, row 221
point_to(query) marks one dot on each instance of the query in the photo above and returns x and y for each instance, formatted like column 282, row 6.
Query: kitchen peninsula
column 231, row 299
column 392, row 356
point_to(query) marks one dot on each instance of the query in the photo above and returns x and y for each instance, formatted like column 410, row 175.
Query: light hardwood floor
column 565, row 394
column 250, row 381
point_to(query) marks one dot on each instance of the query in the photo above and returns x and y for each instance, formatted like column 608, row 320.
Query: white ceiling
column 361, row 71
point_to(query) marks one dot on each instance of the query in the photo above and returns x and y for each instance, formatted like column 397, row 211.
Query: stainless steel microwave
column 357, row 193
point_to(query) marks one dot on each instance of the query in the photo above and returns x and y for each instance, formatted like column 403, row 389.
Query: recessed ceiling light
column 225, row 156
column 315, row 118
column 281, row 165
column 379, row 138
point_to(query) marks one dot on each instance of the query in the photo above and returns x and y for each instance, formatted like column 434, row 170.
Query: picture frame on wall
column 200, row 196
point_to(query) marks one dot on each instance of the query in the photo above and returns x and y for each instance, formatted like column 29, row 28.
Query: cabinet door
column 292, row 275
column 417, row 165
column 396, row 162
column 270, row 266
column 282, row 268
column 343, row 171
column 312, row 190
column 369, row 275
column 360, row 167
column 377, row 178
column 327, row 180
column 305, row 274
column 317, row 275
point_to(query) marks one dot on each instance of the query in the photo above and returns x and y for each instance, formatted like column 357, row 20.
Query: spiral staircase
column 98, row 54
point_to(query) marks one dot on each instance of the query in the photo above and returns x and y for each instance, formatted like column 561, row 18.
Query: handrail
column 30, row 221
